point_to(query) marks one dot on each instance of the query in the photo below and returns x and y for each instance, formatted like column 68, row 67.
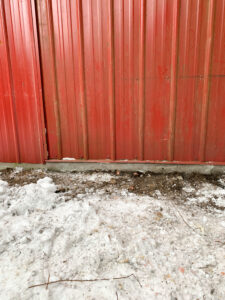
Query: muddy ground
column 136, row 182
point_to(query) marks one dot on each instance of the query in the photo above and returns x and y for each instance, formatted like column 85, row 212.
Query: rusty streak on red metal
column 206, row 83
column 141, row 80
column 173, row 89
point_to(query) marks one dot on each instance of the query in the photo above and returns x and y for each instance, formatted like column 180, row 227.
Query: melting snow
column 175, row 251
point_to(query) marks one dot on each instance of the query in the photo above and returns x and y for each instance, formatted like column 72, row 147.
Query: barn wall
column 121, row 80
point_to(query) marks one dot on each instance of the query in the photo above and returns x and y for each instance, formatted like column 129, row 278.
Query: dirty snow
column 175, row 249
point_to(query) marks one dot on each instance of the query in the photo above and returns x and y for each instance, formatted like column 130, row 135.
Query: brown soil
column 135, row 182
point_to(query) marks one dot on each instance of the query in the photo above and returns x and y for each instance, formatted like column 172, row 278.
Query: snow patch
column 69, row 158
column 3, row 187
column 95, row 177
column 29, row 198
column 104, row 236
column 188, row 189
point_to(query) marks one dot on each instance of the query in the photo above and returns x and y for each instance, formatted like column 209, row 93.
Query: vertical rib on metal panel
column 82, row 78
column 141, row 79
column 129, row 72
column 206, row 83
column 119, row 75
column 52, row 57
column 173, row 90
column 111, row 88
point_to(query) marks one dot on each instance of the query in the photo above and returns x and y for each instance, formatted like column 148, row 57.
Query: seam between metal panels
column 207, row 79
column 111, row 80
column 56, row 100
column 82, row 78
column 62, row 51
column 142, row 78
column 99, row 55
column 67, row 33
column 69, row 12
column 3, row 120
column 173, row 86
column 13, row 109
column 39, row 92
column 43, row 117
column 196, row 60
column 90, row 8
column 131, row 73
column 39, row 12
column 120, row 75
column 219, row 53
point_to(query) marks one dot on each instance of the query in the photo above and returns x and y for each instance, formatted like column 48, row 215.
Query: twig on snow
column 184, row 219
column 137, row 280
column 48, row 281
column 117, row 298
column 84, row 280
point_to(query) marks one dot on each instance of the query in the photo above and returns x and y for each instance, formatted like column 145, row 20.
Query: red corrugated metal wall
column 21, row 114
column 136, row 80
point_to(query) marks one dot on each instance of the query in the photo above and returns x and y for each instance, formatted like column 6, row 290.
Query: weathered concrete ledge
column 145, row 167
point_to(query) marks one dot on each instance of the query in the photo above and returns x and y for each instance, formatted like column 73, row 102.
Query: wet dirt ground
column 136, row 182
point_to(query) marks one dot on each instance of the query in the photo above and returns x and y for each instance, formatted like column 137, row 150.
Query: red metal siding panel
column 190, row 78
column 126, row 39
column 215, row 135
column 24, row 84
column 95, row 16
column 8, row 141
column 160, row 22
column 81, row 33
column 136, row 80
column 49, row 82
column 66, row 59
